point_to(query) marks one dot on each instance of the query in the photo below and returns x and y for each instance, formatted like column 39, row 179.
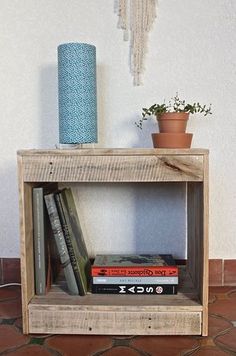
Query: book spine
column 76, row 233
column 69, row 242
column 154, row 271
column 67, row 196
column 134, row 289
column 61, row 245
column 135, row 280
column 39, row 241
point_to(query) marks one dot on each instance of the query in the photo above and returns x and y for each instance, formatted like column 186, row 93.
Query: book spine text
column 135, row 280
column 134, row 289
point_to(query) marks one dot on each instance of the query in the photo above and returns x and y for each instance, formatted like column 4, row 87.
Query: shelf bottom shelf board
column 68, row 320
column 59, row 313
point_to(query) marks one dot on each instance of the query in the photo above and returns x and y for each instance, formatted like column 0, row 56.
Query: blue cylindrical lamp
column 77, row 94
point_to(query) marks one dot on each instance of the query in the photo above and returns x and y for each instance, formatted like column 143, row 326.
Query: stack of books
column 134, row 274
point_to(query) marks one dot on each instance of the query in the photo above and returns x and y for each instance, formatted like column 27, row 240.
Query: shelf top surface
column 113, row 151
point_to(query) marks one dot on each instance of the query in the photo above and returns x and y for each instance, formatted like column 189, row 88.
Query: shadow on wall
column 133, row 217
column 143, row 138
column 159, row 209
column 160, row 218
column 129, row 135
column 48, row 104
column 9, row 221
column 101, row 104
column 48, row 107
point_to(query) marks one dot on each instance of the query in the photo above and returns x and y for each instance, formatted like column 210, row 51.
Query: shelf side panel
column 197, row 262
column 195, row 234
column 26, row 245
column 205, row 284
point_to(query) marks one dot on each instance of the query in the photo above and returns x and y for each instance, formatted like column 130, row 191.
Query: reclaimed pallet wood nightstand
column 57, row 312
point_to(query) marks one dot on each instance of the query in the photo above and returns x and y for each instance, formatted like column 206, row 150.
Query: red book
column 134, row 265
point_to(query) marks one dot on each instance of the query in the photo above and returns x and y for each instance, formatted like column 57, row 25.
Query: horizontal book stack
column 134, row 274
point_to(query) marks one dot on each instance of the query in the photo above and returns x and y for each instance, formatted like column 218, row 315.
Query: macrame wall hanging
column 135, row 19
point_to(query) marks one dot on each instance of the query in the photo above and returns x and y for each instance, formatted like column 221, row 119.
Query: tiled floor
column 221, row 339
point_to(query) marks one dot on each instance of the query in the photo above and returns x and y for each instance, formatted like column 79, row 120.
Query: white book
column 135, row 280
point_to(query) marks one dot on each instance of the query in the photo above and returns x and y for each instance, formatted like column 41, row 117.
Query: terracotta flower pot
column 172, row 140
column 173, row 121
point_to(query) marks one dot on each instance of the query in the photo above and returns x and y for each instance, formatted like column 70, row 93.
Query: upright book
column 40, row 225
column 134, row 265
column 61, row 244
column 74, row 238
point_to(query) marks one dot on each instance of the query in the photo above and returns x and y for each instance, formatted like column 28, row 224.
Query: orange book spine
column 135, row 271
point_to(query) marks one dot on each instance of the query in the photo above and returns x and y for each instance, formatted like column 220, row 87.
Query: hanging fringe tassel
column 142, row 14
column 121, row 11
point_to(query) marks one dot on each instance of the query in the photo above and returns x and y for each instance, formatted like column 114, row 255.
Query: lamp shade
column 77, row 96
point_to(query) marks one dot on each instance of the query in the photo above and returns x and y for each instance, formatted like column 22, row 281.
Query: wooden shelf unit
column 59, row 313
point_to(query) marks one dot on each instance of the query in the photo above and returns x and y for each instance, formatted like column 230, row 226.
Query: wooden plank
column 205, row 282
column 96, row 302
column 75, row 168
column 70, row 320
column 197, row 219
column 26, row 245
column 195, row 234
column 115, row 152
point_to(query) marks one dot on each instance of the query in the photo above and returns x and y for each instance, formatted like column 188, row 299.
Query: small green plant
column 174, row 105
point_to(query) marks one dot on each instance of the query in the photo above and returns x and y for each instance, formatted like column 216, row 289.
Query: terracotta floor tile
column 217, row 325
column 232, row 293
column 121, row 351
column 86, row 344
column 10, row 309
column 228, row 340
column 215, row 272
column 10, row 337
column 210, row 351
column 9, row 293
column 1, row 270
column 31, row 350
column 220, row 290
column 206, row 341
column 18, row 323
column 218, row 293
column 211, row 298
column 164, row 345
column 11, row 270
column 224, row 307
column 230, row 272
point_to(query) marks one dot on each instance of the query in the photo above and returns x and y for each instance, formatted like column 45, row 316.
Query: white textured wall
column 191, row 50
